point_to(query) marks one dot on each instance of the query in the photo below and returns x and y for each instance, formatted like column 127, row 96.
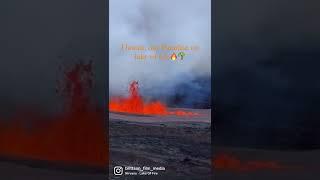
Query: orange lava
column 75, row 137
column 228, row 162
column 134, row 104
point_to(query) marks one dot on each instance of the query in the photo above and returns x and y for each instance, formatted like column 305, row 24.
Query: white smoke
column 156, row 22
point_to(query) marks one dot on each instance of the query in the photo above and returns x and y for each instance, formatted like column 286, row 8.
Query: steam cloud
column 142, row 22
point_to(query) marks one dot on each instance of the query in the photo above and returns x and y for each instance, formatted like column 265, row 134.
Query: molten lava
column 75, row 137
column 134, row 104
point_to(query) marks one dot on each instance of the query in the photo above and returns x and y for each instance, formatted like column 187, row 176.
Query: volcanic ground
column 181, row 144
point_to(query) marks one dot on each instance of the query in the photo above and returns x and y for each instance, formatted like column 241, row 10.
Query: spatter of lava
column 74, row 137
column 134, row 104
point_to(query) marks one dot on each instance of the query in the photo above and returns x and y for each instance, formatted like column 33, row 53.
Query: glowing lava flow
column 134, row 104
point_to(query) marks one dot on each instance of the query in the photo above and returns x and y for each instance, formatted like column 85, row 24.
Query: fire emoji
column 173, row 57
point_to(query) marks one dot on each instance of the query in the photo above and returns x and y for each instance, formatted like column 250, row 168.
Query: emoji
column 173, row 57
column 181, row 55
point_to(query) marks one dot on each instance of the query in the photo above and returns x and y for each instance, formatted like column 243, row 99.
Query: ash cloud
column 142, row 22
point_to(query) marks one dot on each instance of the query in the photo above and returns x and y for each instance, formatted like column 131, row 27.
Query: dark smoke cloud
column 142, row 22
column 39, row 35
column 266, row 73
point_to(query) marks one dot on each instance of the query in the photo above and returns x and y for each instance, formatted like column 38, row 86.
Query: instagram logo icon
column 118, row 170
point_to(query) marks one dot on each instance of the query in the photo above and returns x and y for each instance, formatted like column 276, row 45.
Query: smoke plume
column 141, row 22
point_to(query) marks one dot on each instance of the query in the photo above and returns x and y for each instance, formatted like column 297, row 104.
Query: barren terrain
column 180, row 144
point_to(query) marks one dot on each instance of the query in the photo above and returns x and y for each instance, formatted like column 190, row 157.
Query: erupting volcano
column 134, row 104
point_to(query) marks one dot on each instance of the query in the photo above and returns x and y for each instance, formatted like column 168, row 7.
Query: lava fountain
column 74, row 137
column 134, row 104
